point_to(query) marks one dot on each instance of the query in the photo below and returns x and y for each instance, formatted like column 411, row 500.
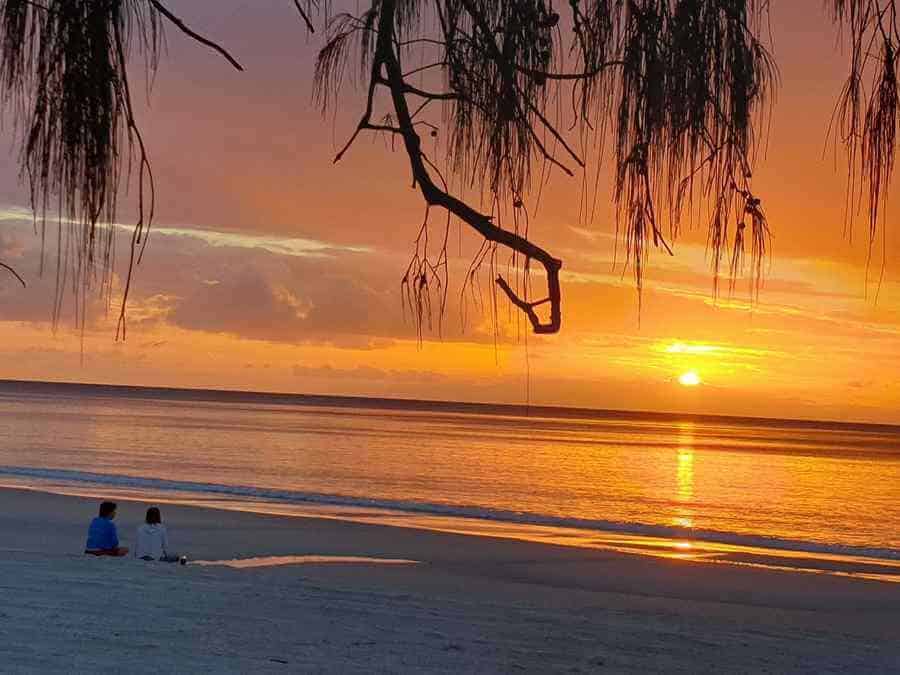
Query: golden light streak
column 682, row 348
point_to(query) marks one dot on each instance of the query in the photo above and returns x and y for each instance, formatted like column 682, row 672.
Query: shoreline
column 206, row 528
column 653, row 542
column 469, row 604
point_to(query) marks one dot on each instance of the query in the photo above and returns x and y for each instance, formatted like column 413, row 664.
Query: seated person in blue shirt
column 102, row 538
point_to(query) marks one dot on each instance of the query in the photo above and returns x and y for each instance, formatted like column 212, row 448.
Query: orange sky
column 273, row 269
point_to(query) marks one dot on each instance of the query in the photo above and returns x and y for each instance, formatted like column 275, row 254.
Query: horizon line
column 472, row 407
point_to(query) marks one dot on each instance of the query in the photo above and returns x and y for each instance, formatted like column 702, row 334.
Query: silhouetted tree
column 681, row 89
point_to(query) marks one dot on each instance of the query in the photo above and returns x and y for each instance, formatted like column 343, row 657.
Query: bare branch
column 178, row 23
column 14, row 273
column 305, row 16
column 367, row 115
column 435, row 196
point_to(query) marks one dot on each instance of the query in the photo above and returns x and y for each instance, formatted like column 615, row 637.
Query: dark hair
column 153, row 517
column 107, row 509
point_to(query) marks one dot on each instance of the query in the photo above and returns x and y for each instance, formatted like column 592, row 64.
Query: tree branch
column 367, row 115
column 304, row 16
column 435, row 196
column 195, row 36
column 14, row 273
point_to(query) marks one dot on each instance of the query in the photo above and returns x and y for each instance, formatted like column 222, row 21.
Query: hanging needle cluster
column 486, row 99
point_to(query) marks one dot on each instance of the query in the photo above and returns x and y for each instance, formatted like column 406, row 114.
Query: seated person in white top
column 152, row 542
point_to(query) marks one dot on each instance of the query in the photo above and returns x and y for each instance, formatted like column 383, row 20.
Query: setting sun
column 689, row 379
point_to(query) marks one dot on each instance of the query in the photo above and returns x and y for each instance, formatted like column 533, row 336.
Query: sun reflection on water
column 684, row 476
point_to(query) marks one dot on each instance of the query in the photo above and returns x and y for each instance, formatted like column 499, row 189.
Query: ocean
column 810, row 488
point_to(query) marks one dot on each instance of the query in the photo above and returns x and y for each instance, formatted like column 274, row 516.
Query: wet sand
column 445, row 603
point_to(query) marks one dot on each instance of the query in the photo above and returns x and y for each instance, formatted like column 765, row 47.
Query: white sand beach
column 469, row 604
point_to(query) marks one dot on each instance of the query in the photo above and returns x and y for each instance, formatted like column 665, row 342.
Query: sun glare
column 689, row 379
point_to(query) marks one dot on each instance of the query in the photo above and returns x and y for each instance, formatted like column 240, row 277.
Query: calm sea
column 787, row 485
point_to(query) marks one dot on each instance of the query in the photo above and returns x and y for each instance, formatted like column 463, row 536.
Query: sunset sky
column 270, row 268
